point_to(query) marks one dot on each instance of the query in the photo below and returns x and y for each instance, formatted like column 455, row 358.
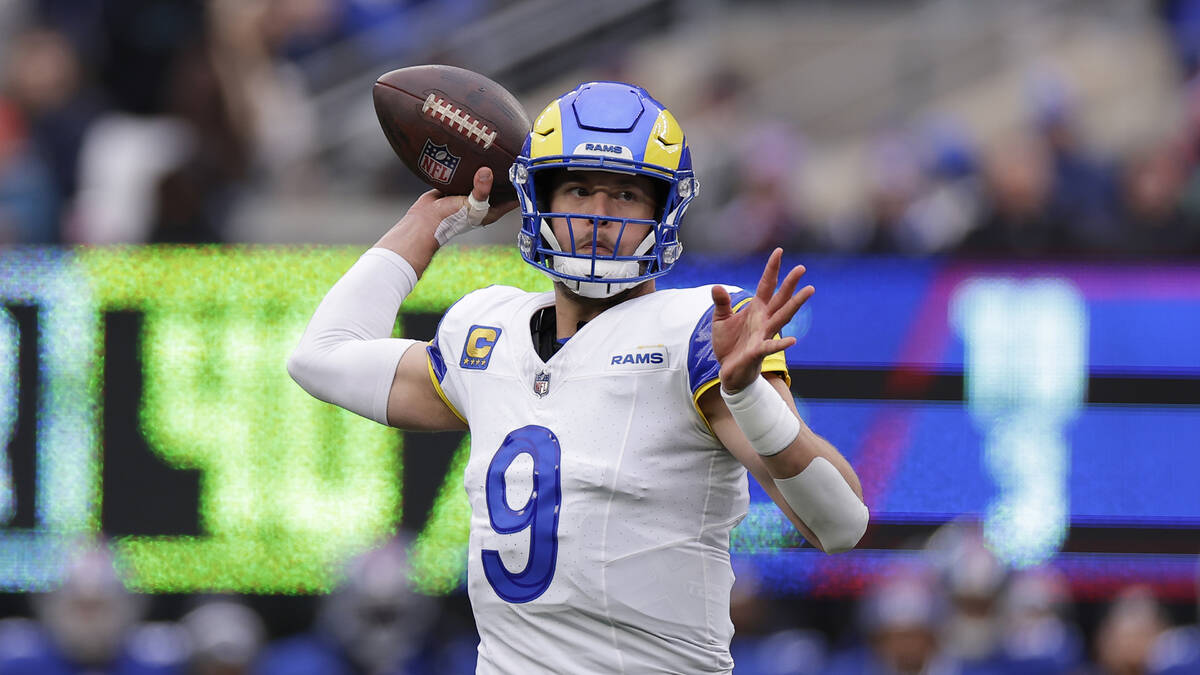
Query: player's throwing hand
column 436, row 218
column 741, row 340
column 434, row 206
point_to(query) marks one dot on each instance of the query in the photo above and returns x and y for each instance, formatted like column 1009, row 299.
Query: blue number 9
column 539, row 514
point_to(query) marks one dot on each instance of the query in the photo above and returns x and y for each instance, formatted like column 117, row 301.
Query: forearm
column 805, row 446
column 812, row 477
column 417, row 240
column 801, row 452
column 414, row 244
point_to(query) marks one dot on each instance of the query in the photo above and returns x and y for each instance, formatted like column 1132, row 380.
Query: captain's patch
column 477, row 351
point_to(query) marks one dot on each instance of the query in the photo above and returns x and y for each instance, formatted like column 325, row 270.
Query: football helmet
column 603, row 126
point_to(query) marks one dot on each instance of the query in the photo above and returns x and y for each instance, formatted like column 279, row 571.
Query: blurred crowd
column 372, row 623
column 129, row 121
column 928, row 187
column 953, row 610
column 125, row 121
column 139, row 121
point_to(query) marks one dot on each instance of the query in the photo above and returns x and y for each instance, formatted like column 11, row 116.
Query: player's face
column 605, row 195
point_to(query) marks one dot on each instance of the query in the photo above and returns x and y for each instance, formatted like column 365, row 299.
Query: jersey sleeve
column 442, row 362
column 704, row 369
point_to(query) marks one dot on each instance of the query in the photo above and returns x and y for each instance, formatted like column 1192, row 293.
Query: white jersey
column 601, row 503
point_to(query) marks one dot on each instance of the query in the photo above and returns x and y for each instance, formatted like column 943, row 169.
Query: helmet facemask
column 595, row 273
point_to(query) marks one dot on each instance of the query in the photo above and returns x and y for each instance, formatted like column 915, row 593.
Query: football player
column 612, row 424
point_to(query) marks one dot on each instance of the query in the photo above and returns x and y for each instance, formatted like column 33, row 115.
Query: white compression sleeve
column 346, row 356
column 763, row 416
column 818, row 494
column 824, row 501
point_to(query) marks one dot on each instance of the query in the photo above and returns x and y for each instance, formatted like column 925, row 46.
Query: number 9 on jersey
column 539, row 514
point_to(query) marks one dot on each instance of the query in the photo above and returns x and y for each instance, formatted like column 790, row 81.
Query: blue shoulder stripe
column 702, row 363
column 436, row 360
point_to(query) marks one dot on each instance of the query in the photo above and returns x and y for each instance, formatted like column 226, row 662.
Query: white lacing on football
column 456, row 119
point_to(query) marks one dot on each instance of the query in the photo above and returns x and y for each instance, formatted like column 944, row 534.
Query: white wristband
column 467, row 218
column 768, row 422
column 347, row 356
column 824, row 501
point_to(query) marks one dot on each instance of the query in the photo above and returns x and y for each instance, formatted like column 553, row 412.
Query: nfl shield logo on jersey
column 541, row 384
column 437, row 162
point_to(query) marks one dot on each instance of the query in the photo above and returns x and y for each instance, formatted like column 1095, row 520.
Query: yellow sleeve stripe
column 773, row 363
column 438, row 387
column 776, row 363
column 696, row 400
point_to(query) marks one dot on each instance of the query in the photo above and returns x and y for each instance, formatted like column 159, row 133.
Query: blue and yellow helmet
column 604, row 126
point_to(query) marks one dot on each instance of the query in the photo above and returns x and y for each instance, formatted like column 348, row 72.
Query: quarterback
column 612, row 425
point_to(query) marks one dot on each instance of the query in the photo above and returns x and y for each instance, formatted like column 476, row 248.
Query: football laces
column 458, row 120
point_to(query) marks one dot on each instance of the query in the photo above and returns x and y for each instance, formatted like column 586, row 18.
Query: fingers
column 428, row 197
column 770, row 276
column 773, row 345
column 784, row 314
column 722, row 304
column 482, row 184
column 787, row 289
column 498, row 210
column 760, row 350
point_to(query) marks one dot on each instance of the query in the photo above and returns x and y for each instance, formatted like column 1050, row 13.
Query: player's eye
column 627, row 195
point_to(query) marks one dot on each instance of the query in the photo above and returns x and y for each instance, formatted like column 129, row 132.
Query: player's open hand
column 743, row 339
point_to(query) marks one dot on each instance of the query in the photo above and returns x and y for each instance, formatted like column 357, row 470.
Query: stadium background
column 947, row 169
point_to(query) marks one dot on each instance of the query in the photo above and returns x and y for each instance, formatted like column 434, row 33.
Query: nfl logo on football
column 437, row 162
column 541, row 384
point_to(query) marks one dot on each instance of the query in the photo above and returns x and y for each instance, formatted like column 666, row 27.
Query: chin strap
column 582, row 267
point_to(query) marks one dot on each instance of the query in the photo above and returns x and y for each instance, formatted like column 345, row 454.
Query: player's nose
column 600, row 203
column 601, row 206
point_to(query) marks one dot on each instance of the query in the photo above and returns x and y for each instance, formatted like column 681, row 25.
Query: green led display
column 290, row 486
column 438, row 555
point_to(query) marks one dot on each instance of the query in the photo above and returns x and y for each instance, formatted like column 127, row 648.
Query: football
column 446, row 122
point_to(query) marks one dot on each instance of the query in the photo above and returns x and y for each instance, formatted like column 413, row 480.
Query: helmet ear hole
column 662, row 191
column 545, row 182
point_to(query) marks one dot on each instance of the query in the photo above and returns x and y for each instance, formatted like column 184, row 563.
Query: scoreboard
column 143, row 395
